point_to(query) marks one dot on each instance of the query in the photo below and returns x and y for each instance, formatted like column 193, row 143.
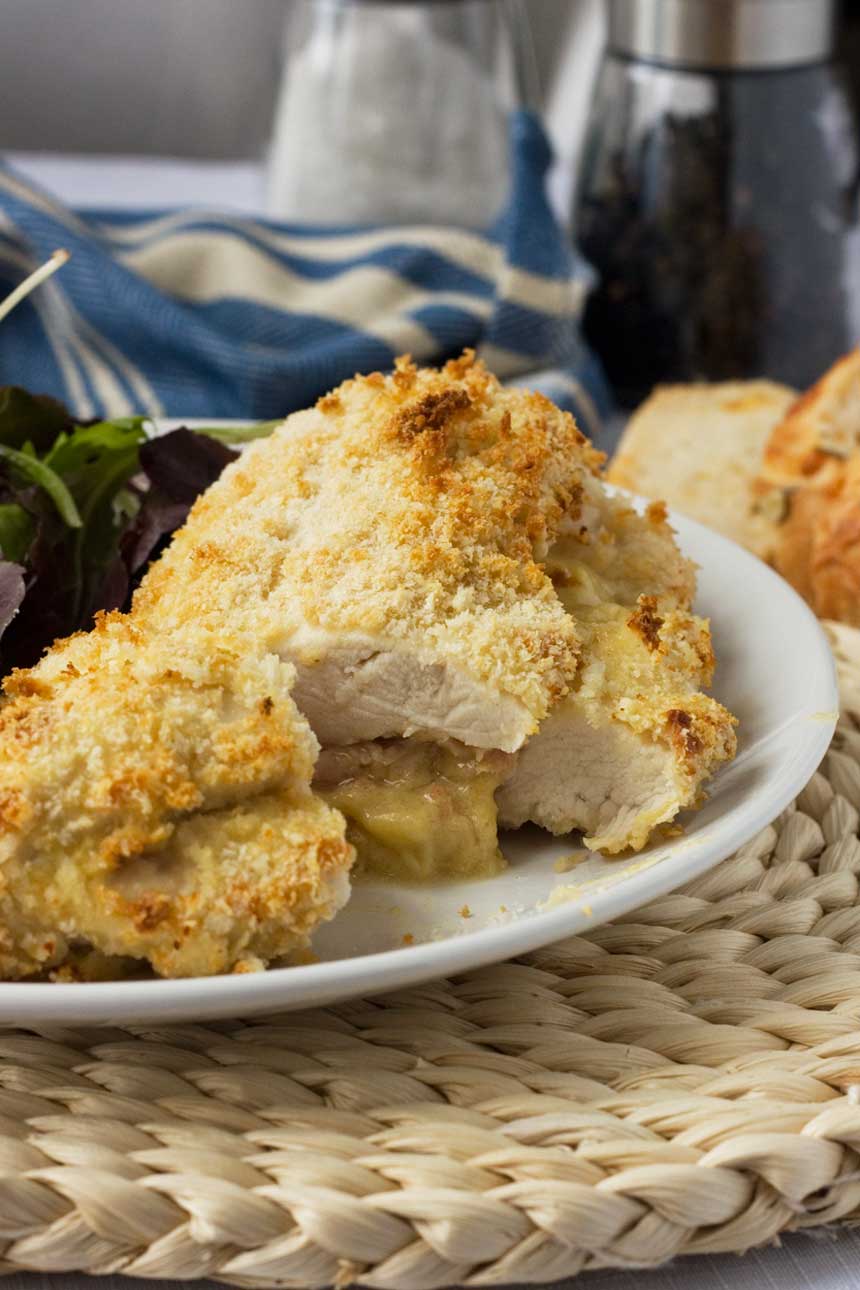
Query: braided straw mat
column 685, row 1080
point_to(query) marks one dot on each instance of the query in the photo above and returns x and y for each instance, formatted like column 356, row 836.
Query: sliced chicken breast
column 388, row 543
column 441, row 561
column 633, row 741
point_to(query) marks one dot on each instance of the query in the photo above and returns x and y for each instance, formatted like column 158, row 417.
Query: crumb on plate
column 564, row 864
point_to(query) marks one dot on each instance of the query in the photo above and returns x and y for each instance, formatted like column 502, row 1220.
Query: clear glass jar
column 720, row 209
column 396, row 111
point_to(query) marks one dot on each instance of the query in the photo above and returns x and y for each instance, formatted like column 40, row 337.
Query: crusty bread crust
column 835, row 556
column 821, row 428
column 810, row 482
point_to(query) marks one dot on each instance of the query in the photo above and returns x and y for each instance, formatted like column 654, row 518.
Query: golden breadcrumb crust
column 155, row 803
column 415, row 508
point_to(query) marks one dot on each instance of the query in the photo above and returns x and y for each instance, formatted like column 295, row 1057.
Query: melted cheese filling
column 417, row 811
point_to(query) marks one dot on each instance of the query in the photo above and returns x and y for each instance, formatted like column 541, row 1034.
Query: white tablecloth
column 804, row 1262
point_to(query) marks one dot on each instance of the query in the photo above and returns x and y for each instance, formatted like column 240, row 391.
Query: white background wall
column 190, row 77
column 193, row 77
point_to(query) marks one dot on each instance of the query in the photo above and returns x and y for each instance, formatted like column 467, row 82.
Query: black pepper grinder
column 718, row 195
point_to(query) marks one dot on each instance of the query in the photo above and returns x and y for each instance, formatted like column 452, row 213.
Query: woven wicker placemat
column 685, row 1080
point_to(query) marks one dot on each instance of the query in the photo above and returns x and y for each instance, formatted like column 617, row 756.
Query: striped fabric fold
column 200, row 313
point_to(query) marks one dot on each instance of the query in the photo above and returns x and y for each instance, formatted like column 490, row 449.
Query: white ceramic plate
column 775, row 673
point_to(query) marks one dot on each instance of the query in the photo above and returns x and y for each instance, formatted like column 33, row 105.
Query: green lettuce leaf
column 25, row 467
column 83, row 510
column 17, row 530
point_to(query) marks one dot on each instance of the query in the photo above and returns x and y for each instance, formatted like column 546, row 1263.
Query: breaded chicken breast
column 155, row 804
column 389, row 543
column 442, row 565
column 426, row 566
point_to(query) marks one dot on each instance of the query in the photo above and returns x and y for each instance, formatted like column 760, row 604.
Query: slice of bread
column 778, row 473
column 699, row 448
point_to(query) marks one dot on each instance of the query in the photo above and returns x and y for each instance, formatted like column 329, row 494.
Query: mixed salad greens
column 84, row 507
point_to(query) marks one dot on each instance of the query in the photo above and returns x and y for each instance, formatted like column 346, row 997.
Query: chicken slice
column 388, row 543
column 155, row 804
column 632, row 742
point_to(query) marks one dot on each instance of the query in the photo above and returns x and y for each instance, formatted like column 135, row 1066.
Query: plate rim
column 317, row 984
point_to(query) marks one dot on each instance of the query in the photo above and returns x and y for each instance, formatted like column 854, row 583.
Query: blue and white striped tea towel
column 190, row 313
